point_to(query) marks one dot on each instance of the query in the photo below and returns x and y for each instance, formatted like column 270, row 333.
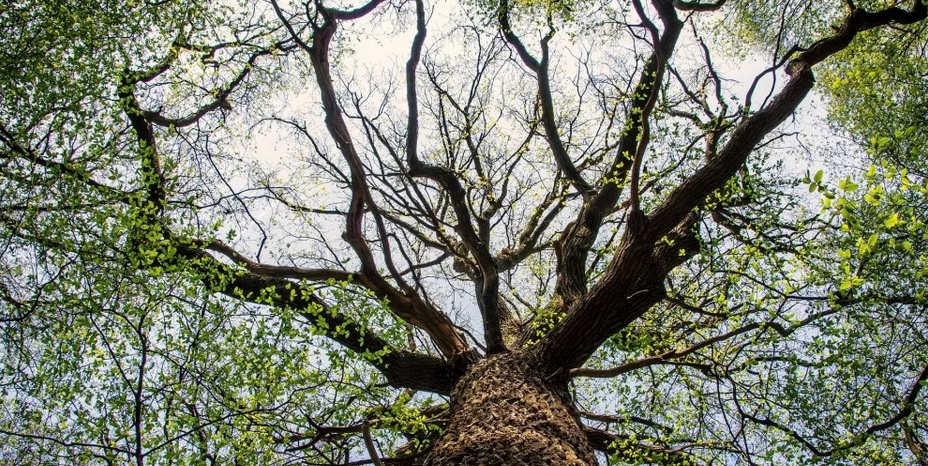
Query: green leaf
column 892, row 221
column 847, row 185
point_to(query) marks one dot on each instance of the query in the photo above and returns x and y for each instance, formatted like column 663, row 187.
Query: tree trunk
column 505, row 412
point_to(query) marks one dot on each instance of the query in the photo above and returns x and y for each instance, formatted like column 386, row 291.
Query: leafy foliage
column 202, row 262
column 877, row 94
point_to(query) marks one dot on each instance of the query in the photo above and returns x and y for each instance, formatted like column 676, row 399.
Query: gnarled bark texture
column 506, row 412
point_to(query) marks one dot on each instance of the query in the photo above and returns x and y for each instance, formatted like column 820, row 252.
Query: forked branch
column 653, row 245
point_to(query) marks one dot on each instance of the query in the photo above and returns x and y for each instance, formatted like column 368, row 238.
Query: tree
column 551, row 233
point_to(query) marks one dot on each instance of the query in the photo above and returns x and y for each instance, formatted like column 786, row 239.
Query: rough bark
column 504, row 412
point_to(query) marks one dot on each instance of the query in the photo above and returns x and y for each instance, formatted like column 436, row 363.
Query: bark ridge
column 506, row 413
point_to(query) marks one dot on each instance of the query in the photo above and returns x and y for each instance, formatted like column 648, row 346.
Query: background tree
column 547, row 233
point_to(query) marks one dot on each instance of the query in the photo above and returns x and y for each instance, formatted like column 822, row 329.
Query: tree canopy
column 265, row 232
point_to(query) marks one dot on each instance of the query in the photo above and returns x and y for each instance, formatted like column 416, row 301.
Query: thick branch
column 406, row 303
column 717, row 171
column 631, row 284
column 857, row 21
column 634, row 279
column 151, row 173
column 356, row 13
column 698, row 6
column 275, row 271
column 540, row 68
column 577, row 241
column 402, row 368
column 487, row 288
column 746, row 137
